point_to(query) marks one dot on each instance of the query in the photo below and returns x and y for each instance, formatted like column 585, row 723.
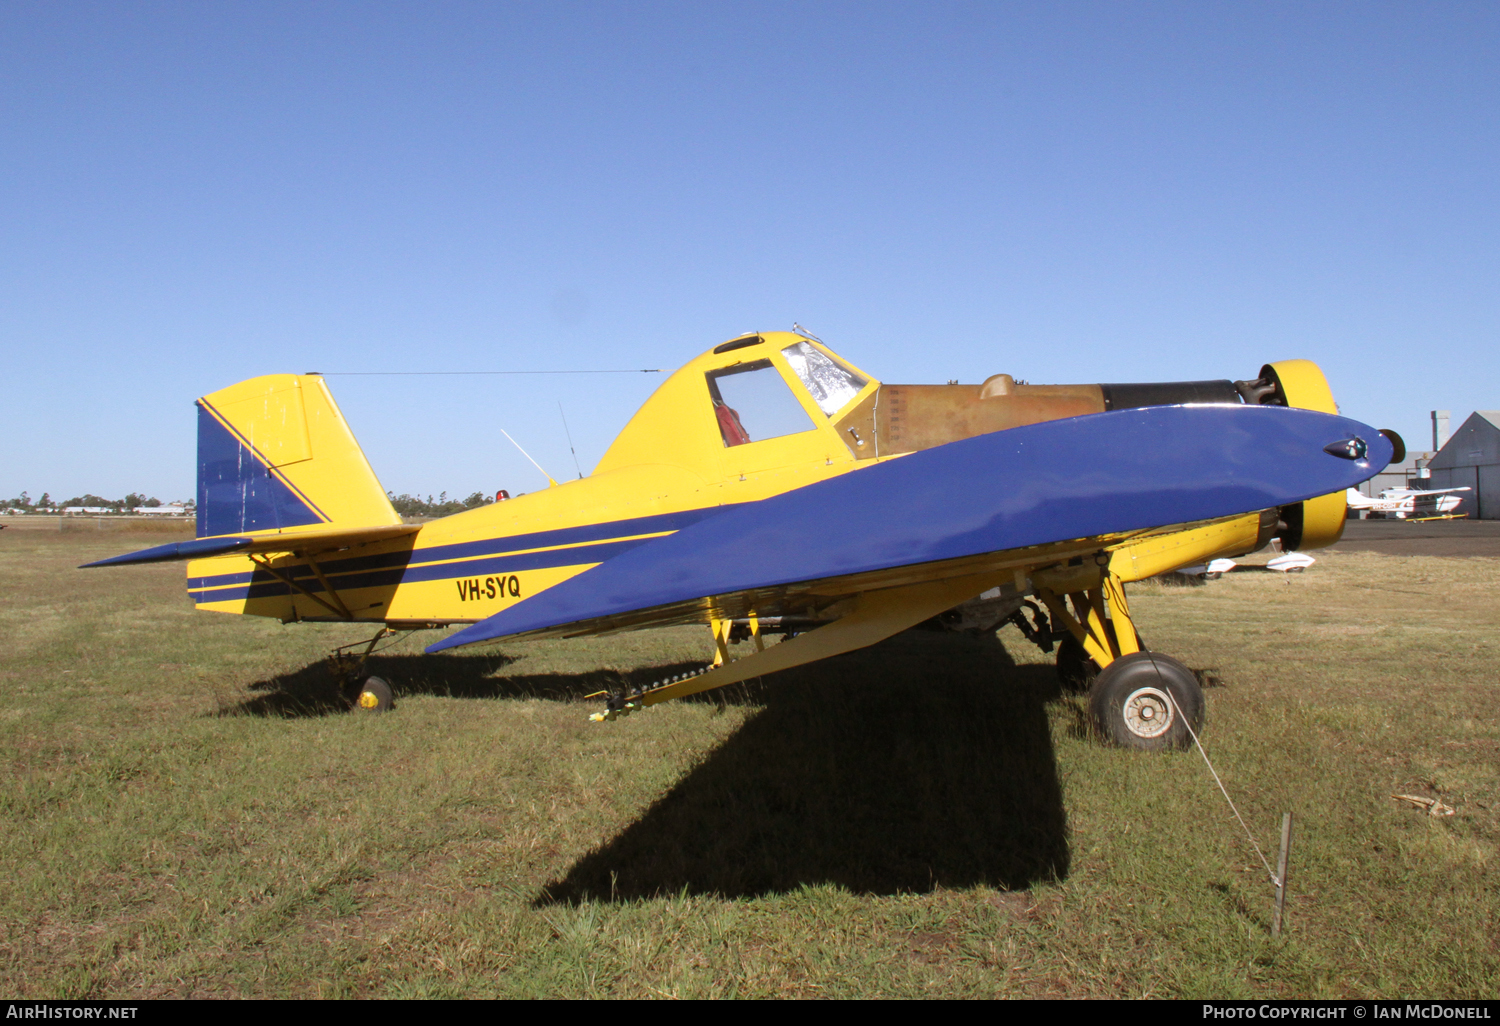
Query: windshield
column 830, row 385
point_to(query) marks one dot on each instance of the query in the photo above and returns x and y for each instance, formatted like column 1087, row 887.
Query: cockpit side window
column 752, row 402
column 829, row 383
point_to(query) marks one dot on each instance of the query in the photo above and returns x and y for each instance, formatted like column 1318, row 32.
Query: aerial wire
column 572, row 450
column 411, row 374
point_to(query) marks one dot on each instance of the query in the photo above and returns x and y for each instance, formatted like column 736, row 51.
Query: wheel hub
column 1148, row 712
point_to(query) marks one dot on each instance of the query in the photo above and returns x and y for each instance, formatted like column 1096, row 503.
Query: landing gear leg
column 348, row 669
column 1137, row 699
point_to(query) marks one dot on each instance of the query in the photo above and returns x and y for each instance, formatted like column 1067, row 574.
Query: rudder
column 274, row 452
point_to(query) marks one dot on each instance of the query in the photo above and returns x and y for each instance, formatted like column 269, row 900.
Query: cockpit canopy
column 753, row 402
column 762, row 388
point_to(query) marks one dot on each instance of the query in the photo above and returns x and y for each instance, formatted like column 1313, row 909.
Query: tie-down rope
column 1166, row 690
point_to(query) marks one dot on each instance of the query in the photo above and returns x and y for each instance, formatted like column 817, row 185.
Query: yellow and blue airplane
column 771, row 487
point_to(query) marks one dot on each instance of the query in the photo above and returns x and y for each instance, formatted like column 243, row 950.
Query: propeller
column 1398, row 446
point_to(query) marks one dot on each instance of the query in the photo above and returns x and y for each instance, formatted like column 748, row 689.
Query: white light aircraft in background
column 1401, row 503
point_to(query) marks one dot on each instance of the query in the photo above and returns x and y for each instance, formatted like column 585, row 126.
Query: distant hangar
column 1472, row 458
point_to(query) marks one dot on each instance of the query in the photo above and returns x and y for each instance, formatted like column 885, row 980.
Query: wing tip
column 454, row 641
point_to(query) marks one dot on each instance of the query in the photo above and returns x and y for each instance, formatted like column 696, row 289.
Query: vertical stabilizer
column 275, row 453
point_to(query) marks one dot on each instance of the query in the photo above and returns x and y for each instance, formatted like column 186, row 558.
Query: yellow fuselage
column 672, row 464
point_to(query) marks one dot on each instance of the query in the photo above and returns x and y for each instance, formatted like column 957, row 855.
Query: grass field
column 186, row 812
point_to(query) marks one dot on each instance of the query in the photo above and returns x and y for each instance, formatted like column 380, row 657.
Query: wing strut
column 876, row 616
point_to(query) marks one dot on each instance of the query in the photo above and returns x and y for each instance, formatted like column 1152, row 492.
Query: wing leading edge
column 1090, row 477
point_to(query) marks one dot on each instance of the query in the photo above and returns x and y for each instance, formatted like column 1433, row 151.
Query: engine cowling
column 906, row 418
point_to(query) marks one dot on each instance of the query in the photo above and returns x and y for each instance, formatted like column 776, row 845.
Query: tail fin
column 275, row 452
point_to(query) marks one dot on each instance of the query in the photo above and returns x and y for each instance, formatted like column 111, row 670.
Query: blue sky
column 192, row 194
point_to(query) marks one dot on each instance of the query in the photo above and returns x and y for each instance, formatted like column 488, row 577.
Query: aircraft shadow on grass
column 918, row 763
column 921, row 762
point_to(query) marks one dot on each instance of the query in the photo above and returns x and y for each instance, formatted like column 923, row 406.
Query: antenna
column 799, row 329
column 572, row 450
column 534, row 463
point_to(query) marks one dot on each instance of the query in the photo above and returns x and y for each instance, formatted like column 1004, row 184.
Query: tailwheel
column 347, row 668
column 1147, row 701
column 374, row 696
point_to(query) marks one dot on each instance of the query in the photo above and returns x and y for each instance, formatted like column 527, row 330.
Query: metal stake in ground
column 1281, row 867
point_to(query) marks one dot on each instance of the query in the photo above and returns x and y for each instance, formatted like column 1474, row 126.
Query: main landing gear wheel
column 1076, row 669
column 374, row 696
column 1146, row 701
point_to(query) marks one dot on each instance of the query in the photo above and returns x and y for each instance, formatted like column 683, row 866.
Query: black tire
column 1129, row 702
column 1076, row 669
column 374, row 696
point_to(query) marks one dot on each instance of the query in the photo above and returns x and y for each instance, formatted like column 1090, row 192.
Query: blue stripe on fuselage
column 265, row 586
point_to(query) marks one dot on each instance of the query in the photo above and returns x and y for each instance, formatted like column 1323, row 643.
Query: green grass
column 186, row 811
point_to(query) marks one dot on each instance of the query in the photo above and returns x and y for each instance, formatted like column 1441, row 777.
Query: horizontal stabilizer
column 302, row 541
column 1106, row 474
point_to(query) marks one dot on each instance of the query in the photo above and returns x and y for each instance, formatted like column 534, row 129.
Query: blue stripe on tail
column 237, row 492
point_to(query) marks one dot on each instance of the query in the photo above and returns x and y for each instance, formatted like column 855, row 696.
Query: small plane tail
column 274, row 452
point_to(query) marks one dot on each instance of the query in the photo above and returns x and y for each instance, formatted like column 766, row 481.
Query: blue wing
column 1085, row 479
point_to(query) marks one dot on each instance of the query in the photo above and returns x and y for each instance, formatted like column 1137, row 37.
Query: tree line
column 442, row 506
column 406, row 505
column 45, row 503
